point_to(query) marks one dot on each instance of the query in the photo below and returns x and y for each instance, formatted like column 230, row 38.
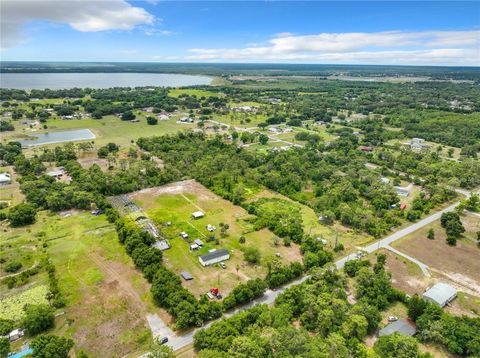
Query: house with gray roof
column 214, row 257
column 402, row 326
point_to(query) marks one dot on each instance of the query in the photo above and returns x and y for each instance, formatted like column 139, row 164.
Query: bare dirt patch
column 89, row 159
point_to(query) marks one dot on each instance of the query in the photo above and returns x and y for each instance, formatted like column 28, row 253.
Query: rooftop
column 404, row 327
column 440, row 293
column 213, row 255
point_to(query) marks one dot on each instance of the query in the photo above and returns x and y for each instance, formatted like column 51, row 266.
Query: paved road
column 178, row 342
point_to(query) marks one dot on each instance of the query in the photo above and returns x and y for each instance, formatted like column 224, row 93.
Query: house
column 365, row 148
column 197, row 215
column 163, row 117
column 402, row 191
column 440, row 294
column 5, row 179
column 187, row 276
column 417, row 144
column 214, row 257
column 402, row 326
column 275, row 130
column 56, row 173
column 198, row 242
column 185, row 120
column 16, row 334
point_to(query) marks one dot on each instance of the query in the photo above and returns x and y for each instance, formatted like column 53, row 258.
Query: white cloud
column 427, row 47
column 85, row 16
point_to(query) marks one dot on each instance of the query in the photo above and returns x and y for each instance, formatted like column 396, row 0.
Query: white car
column 392, row 318
column 211, row 228
column 184, row 235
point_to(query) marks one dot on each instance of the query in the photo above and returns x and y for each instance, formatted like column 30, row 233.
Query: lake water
column 58, row 137
column 98, row 80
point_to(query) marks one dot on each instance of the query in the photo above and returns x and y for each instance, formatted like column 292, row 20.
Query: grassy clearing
column 108, row 129
column 176, row 92
column 107, row 298
column 175, row 205
column 332, row 233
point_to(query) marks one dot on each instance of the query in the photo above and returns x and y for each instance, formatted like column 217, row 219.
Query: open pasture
column 171, row 206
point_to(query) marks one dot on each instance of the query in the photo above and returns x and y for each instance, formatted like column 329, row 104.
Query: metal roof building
column 187, row 276
column 403, row 327
column 440, row 294
column 214, row 257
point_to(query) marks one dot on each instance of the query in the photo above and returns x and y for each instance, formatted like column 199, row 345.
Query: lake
column 58, row 137
column 28, row 81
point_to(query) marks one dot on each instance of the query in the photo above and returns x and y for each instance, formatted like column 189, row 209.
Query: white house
column 214, row 257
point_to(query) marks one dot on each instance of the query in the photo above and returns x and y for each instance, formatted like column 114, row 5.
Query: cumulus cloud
column 85, row 16
column 392, row 47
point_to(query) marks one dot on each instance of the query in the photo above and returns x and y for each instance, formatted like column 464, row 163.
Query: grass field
column 107, row 298
column 349, row 238
column 175, row 202
column 176, row 92
column 108, row 129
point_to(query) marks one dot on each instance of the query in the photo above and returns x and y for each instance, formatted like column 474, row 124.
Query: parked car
column 97, row 212
column 222, row 265
column 392, row 318
column 163, row 340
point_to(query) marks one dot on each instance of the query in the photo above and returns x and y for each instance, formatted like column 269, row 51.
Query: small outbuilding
column 5, row 179
column 402, row 326
column 186, row 275
column 440, row 294
column 198, row 242
column 214, row 257
column 198, row 215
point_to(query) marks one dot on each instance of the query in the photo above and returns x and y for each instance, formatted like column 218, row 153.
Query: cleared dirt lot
column 460, row 263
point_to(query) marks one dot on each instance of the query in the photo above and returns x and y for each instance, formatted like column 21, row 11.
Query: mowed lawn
column 176, row 207
column 107, row 129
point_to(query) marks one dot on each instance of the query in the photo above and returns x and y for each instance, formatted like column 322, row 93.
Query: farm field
column 107, row 299
column 176, row 202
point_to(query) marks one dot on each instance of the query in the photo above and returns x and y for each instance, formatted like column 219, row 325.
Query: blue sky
column 380, row 32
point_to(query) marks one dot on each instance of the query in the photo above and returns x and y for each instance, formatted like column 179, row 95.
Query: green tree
column 152, row 120
column 159, row 350
column 50, row 346
column 22, row 214
column 416, row 307
column 38, row 318
column 263, row 139
column 4, row 347
column 252, row 255
column 128, row 116
column 431, row 234
column 396, row 346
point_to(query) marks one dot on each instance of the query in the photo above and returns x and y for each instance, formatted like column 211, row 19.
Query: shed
column 214, row 257
column 5, row 179
column 186, row 275
column 198, row 242
column 402, row 326
column 198, row 215
column 194, row 247
column 440, row 294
